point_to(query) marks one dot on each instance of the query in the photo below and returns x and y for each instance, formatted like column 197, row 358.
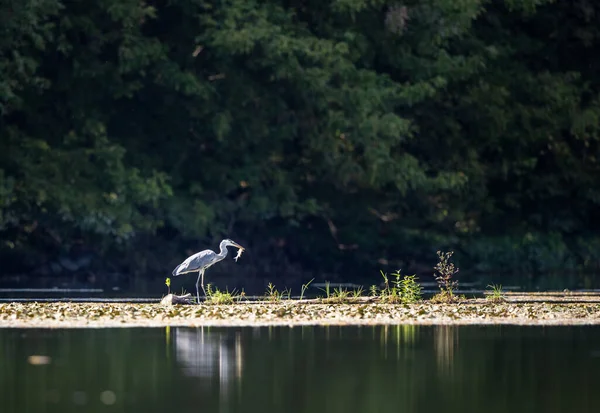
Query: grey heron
column 200, row 261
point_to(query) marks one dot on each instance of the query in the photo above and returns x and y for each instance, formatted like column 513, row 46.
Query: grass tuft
column 496, row 294
column 222, row 297
column 273, row 295
column 304, row 288
column 340, row 295
column 357, row 292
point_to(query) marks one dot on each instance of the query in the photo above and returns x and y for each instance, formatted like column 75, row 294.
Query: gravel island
column 518, row 310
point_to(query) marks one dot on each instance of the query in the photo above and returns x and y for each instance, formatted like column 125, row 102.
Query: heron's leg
column 197, row 290
column 202, row 283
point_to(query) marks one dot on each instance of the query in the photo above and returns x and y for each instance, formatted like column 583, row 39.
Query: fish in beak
column 240, row 250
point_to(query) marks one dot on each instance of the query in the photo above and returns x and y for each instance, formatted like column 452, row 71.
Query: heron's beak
column 237, row 245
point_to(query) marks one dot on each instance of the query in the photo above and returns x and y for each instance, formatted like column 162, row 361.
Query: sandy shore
column 295, row 313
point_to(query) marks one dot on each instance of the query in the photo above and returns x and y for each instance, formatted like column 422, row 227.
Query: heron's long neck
column 223, row 253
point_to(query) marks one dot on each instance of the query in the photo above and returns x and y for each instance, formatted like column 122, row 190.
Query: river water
column 303, row 369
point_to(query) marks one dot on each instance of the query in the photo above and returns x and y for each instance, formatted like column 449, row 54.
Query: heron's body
column 202, row 260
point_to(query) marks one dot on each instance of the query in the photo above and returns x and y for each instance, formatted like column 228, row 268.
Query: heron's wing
column 195, row 262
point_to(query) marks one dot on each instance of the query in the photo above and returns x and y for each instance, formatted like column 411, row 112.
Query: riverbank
column 298, row 313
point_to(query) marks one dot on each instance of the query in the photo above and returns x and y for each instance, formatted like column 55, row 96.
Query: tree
column 339, row 135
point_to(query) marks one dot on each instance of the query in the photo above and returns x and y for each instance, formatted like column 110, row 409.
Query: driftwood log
column 172, row 299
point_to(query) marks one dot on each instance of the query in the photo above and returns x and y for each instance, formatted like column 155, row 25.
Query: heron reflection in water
column 207, row 354
column 200, row 261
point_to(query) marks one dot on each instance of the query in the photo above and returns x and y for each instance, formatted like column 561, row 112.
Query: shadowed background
column 330, row 138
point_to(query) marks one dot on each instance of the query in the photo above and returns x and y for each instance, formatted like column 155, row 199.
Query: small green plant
column 241, row 296
column 340, row 294
column 496, row 294
column 357, row 292
column 287, row 293
column 402, row 289
column 444, row 277
column 220, row 297
column 272, row 294
column 410, row 289
column 389, row 293
column 373, row 291
column 168, row 284
column 304, row 288
column 327, row 290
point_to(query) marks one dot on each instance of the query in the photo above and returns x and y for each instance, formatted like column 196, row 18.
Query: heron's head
column 227, row 242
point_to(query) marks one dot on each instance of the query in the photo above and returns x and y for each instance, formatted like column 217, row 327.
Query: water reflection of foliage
column 397, row 337
column 445, row 344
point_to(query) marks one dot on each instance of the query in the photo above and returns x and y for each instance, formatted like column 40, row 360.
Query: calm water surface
column 302, row 369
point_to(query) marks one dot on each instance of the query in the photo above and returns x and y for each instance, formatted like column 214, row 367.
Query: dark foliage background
column 331, row 138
